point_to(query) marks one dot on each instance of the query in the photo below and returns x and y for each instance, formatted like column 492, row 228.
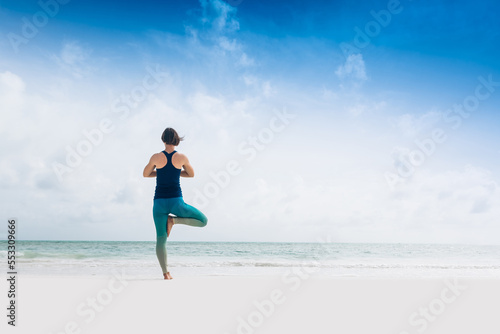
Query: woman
column 170, row 166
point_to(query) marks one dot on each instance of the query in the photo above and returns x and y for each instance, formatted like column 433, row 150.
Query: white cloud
column 250, row 80
column 228, row 45
column 210, row 38
column 354, row 68
column 219, row 15
column 73, row 53
column 11, row 83
column 245, row 60
column 267, row 89
column 361, row 108
column 235, row 49
column 12, row 88
column 411, row 124
column 73, row 59
column 328, row 94
column 262, row 87
column 455, row 206
column 286, row 201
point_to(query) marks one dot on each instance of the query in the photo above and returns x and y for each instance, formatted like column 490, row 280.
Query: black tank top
column 168, row 183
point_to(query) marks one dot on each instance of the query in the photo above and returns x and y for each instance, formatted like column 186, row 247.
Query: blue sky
column 227, row 69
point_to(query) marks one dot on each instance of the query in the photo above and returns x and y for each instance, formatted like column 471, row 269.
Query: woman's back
column 168, row 179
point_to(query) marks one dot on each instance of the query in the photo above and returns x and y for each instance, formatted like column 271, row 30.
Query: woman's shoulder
column 157, row 157
column 180, row 156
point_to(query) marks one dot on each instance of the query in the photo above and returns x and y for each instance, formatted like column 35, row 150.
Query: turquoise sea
column 137, row 259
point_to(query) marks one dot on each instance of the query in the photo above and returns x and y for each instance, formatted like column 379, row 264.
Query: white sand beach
column 292, row 303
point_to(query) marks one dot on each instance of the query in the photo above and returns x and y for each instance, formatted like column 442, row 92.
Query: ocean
column 137, row 259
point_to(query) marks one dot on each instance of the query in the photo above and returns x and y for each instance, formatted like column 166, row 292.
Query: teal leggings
column 185, row 214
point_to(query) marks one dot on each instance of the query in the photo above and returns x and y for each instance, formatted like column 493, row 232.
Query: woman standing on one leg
column 170, row 165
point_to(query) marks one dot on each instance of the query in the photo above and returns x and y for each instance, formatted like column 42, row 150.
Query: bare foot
column 167, row 276
column 170, row 223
